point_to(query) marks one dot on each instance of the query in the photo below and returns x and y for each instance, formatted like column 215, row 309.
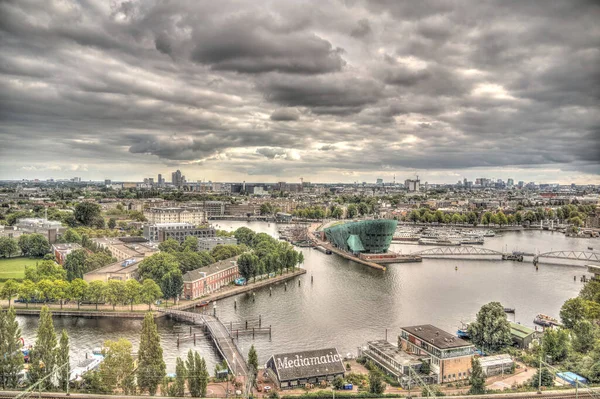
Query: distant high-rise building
column 379, row 181
column 107, row 182
column 177, row 178
column 151, row 180
column 510, row 182
column 412, row 185
column 521, row 183
column 465, row 182
column 160, row 179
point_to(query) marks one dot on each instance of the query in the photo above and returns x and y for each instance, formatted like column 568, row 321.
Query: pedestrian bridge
column 568, row 255
column 457, row 251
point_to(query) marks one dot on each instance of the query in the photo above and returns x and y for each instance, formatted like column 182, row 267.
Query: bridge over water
column 220, row 336
column 586, row 256
column 457, row 251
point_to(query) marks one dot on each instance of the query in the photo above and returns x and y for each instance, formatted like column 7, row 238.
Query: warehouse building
column 522, row 336
column 297, row 369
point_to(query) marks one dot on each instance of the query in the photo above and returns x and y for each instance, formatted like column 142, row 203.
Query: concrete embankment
column 235, row 290
column 92, row 314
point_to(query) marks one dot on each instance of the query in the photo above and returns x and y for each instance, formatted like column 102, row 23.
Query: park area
column 14, row 268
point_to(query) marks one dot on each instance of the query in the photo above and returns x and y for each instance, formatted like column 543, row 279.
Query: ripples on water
column 349, row 304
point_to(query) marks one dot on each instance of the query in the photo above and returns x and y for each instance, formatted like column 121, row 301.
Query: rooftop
column 126, row 265
column 307, row 364
column 520, row 331
column 436, row 336
column 496, row 360
column 391, row 351
column 66, row 247
column 202, row 272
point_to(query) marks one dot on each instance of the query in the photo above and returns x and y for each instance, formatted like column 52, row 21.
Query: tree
column 62, row 360
column 47, row 289
column 171, row 285
column 42, row 357
column 150, row 292
column 591, row 291
column 556, row 343
column 477, row 378
column 151, row 366
column 34, row 245
column 71, row 235
column 132, row 291
column 338, row 383
column 169, row 245
column 244, row 235
column 11, row 363
column 247, row 264
column 62, row 291
column 425, row 367
column 112, row 223
column 157, row 265
column 376, row 384
column 190, row 244
column 202, row 373
column 115, row 292
column 547, row 379
column 75, row 264
column 45, row 269
column 193, row 382
column 96, row 292
column 27, row 291
column 491, row 330
column 87, row 213
column 572, row 312
column 253, row 364
column 584, row 336
column 180, row 375
column 9, row 290
column 352, row 211
column 117, row 369
column 8, row 247
column 337, row 212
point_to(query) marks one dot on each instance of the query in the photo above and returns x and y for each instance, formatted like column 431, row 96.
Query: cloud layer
column 335, row 90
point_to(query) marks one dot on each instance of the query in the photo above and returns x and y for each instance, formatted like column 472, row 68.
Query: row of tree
column 115, row 292
column 32, row 245
column 267, row 255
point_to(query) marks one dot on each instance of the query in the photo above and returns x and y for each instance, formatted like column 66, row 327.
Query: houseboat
column 545, row 321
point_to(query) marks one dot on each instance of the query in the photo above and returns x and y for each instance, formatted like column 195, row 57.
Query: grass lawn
column 15, row 267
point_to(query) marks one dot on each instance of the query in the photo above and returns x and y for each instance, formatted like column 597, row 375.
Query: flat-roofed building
column 297, row 369
column 450, row 356
column 208, row 243
column 124, row 248
column 61, row 251
column 51, row 229
column 595, row 269
column 122, row 270
column 497, row 364
column 159, row 232
column 397, row 363
column 211, row 278
column 191, row 215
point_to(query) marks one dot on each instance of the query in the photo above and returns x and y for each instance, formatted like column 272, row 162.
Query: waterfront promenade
column 139, row 310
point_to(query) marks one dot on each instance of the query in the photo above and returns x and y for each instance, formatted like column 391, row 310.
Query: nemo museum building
column 363, row 237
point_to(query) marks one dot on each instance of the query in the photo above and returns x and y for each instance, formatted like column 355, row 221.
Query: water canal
column 348, row 304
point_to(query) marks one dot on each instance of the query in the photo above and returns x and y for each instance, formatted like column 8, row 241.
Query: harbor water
column 347, row 304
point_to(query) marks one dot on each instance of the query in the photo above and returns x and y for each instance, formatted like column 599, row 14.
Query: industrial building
column 297, row 369
column 450, row 357
column 366, row 236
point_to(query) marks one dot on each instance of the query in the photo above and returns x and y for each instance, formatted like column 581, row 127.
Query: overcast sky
column 331, row 91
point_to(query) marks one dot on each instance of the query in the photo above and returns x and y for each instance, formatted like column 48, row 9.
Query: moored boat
column 545, row 320
column 463, row 331
column 509, row 310
column 86, row 365
column 202, row 304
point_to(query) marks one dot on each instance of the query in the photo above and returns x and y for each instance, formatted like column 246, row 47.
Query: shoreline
column 140, row 313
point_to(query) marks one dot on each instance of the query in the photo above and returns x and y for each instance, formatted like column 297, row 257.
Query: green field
column 15, row 267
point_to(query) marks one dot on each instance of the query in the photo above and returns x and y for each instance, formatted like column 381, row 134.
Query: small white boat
column 84, row 366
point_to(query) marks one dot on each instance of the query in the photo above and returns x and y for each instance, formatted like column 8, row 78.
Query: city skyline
column 278, row 91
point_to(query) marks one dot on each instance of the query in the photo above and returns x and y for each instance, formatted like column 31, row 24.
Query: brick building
column 450, row 357
column 205, row 280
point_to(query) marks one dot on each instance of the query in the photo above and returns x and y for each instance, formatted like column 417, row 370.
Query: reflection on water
column 348, row 304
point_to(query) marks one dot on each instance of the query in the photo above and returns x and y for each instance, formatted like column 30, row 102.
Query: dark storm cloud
column 394, row 84
column 285, row 114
